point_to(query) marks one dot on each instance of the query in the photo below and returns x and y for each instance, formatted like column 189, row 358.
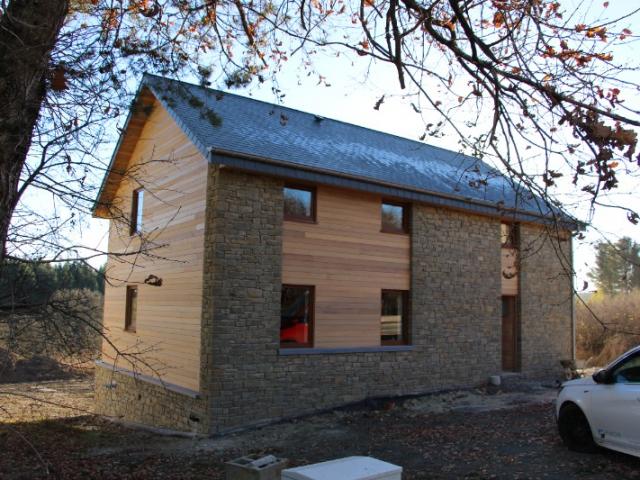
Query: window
column 300, row 204
column 509, row 235
column 394, row 319
column 131, row 309
column 629, row 371
column 395, row 218
column 296, row 316
column 136, row 211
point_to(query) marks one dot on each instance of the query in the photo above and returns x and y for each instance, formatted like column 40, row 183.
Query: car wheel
column 574, row 429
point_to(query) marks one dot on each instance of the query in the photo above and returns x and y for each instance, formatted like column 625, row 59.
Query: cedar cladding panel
column 349, row 261
column 509, row 271
column 168, row 317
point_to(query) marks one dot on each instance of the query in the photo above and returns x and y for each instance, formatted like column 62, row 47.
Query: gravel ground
column 475, row 434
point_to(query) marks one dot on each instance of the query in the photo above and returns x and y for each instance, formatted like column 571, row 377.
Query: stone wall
column 136, row 400
column 456, row 291
column 455, row 312
column 545, row 302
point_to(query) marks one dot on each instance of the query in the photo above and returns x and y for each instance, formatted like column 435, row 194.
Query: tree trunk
column 28, row 33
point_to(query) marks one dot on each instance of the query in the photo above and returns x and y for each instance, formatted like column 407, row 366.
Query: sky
column 350, row 89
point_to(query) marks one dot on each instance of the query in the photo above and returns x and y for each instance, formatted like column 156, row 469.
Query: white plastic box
column 349, row 468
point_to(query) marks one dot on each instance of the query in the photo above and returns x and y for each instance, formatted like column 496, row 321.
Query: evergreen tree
column 27, row 285
column 617, row 266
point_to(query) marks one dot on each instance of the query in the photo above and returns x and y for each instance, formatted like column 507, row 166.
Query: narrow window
column 395, row 218
column 300, row 204
column 509, row 235
column 394, row 319
column 296, row 317
column 131, row 309
column 136, row 211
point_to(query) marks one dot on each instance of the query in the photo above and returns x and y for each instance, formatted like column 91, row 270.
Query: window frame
column 130, row 322
column 312, row 317
column 302, row 218
column 137, row 206
column 405, row 218
column 513, row 237
column 405, row 319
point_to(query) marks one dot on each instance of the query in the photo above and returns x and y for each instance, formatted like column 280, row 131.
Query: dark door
column 509, row 333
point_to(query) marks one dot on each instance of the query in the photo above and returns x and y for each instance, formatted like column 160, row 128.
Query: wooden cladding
column 509, row 239
column 167, row 318
column 349, row 261
column 509, row 271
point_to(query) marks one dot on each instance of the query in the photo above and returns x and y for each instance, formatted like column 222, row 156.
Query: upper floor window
column 137, row 202
column 131, row 312
column 395, row 218
column 394, row 317
column 300, row 204
column 296, row 316
column 509, row 235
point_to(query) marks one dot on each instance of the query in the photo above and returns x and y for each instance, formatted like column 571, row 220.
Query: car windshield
column 624, row 355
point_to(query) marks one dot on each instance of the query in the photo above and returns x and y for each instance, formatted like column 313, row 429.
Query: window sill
column 310, row 220
column 329, row 351
column 394, row 232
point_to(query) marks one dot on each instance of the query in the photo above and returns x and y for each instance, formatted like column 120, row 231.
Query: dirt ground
column 458, row 435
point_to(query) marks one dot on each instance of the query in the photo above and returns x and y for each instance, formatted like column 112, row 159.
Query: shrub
column 607, row 326
column 67, row 326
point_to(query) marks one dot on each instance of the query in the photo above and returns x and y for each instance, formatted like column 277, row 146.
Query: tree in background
column 617, row 267
column 618, row 328
column 51, row 309
column 24, row 286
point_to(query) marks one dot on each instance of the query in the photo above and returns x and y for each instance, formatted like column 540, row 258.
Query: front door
column 509, row 333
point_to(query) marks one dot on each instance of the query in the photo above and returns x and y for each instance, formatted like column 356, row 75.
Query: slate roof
column 277, row 140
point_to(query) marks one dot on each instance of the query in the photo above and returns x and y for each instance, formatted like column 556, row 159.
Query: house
column 296, row 263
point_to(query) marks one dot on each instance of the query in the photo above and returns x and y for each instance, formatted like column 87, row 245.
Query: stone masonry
column 135, row 400
column 546, row 301
column 455, row 320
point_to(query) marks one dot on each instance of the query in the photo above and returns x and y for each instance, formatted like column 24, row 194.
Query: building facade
column 264, row 290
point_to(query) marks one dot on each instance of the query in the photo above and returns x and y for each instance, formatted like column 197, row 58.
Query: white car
column 603, row 410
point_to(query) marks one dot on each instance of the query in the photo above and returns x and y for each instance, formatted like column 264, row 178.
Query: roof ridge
column 343, row 122
column 400, row 166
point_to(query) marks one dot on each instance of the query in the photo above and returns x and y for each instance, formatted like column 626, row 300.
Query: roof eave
column 100, row 207
column 280, row 168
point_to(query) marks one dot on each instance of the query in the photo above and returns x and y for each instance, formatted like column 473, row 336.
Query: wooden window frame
column 406, row 320
column 312, row 317
column 130, row 323
column 513, row 239
column 314, row 204
column 405, row 217
column 136, row 211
